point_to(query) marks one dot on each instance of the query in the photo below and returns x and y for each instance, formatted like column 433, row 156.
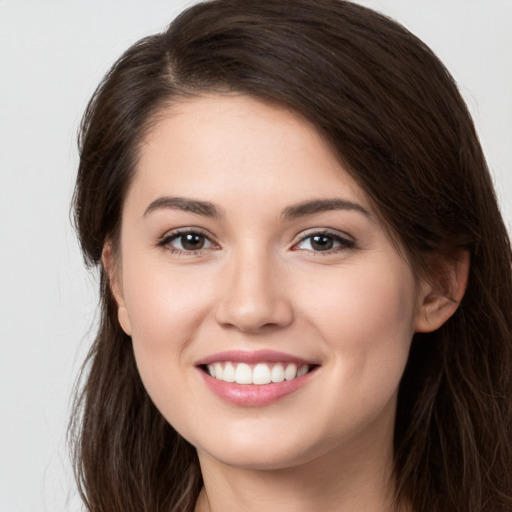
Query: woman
column 305, row 279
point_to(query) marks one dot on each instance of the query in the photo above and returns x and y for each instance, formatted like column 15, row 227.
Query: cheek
column 367, row 321
column 365, row 299
column 165, row 319
column 166, row 310
column 164, row 304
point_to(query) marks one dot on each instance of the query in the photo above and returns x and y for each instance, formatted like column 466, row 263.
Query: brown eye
column 192, row 241
column 189, row 241
column 324, row 242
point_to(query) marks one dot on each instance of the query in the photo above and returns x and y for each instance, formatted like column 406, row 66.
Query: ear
column 440, row 298
column 111, row 266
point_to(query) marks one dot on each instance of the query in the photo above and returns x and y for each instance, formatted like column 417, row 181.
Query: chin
column 267, row 458
column 263, row 448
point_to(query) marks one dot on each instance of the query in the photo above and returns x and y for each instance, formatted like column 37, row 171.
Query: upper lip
column 253, row 357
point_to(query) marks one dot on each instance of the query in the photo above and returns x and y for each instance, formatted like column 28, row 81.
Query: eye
column 323, row 242
column 186, row 241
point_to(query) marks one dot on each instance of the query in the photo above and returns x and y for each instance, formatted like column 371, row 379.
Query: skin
column 259, row 283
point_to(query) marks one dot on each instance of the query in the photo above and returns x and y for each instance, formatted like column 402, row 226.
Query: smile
column 255, row 379
column 258, row 374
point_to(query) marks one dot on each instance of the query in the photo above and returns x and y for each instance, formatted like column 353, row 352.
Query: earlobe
column 439, row 300
column 114, row 277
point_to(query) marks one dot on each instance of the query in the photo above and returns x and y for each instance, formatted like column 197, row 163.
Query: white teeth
column 290, row 372
column 302, row 370
column 277, row 373
column 218, row 371
column 243, row 374
column 228, row 375
column 261, row 373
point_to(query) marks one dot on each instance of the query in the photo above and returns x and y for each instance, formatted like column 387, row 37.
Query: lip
column 253, row 357
column 251, row 395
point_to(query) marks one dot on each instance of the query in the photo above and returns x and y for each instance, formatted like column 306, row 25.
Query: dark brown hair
column 393, row 114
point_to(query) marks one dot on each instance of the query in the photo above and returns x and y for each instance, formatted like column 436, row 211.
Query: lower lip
column 251, row 395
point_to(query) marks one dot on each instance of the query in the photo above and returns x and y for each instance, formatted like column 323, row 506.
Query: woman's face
column 247, row 251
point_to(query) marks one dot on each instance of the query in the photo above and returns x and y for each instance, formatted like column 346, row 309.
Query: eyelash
column 344, row 243
column 166, row 240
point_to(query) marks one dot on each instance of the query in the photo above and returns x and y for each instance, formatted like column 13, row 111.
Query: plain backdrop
column 52, row 55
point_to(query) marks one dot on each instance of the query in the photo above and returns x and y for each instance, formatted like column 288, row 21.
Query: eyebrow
column 321, row 205
column 207, row 209
column 204, row 208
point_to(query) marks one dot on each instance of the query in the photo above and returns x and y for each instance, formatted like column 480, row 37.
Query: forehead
column 225, row 145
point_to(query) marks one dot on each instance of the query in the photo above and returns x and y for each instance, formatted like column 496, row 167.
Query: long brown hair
column 393, row 114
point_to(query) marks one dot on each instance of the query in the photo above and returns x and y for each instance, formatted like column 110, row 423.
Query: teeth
column 261, row 373
column 302, row 370
column 217, row 368
column 228, row 374
column 277, row 373
column 243, row 374
column 290, row 372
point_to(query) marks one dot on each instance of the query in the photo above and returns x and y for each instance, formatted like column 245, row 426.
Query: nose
column 254, row 296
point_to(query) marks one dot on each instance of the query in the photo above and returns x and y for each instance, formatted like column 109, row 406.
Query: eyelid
column 169, row 236
column 345, row 240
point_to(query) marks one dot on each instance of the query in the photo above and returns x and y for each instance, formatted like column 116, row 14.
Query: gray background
column 52, row 55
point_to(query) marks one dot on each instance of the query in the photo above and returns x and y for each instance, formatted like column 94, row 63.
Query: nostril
column 251, row 318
